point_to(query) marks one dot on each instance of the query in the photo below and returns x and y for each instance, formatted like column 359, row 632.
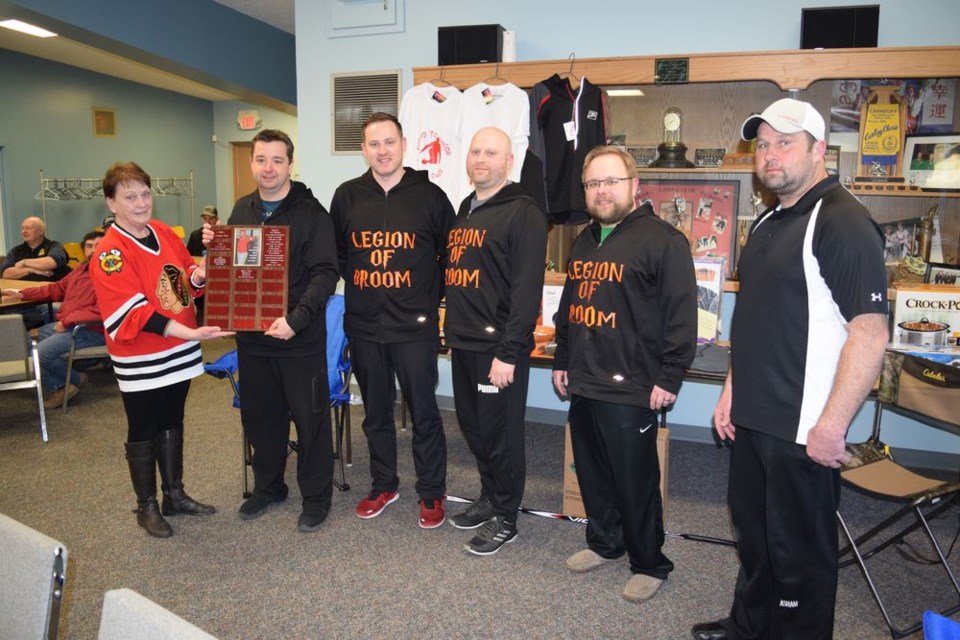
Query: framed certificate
column 246, row 277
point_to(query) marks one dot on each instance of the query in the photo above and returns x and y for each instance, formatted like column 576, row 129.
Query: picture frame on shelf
column 831, row 160
column 705, row 211
column 940, row 273
column 932, row 161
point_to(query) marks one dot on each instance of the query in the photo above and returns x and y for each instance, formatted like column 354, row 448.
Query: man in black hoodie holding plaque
column 626, row 330
column 494, row 283
column 392, row 225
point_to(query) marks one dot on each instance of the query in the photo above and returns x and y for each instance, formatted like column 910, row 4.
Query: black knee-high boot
column 142, row 459
column 170, row 458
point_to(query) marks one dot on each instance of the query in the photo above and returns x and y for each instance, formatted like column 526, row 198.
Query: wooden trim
column 786, row 69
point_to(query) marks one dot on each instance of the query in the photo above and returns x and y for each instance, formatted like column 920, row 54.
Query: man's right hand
column 206, row 236
column 11, row 294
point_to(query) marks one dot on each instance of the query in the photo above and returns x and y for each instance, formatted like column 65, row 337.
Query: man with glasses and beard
column 626, row 330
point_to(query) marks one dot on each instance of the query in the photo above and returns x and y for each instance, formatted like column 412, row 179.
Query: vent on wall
column 355, row 97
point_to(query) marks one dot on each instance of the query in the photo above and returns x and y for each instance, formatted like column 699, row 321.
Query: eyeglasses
column 610, row 183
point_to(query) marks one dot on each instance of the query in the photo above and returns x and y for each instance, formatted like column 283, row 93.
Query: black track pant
column 783, row 506
column 615, row 452
column 492, row 423
column 415, row 366
column 272, row 392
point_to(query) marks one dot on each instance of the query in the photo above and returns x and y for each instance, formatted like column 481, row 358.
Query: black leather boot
column 142, row 459
column 170, row 459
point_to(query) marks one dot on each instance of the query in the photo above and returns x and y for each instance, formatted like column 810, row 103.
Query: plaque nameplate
column 246, row 277
column 671, row 71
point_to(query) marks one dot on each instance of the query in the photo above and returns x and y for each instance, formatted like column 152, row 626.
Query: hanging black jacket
column 494, row 275
column 311, row 266
column 392, row 250
column 628, row 313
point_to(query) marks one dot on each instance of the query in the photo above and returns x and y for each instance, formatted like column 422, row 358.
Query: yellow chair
column 179, row 231
column 74, row 252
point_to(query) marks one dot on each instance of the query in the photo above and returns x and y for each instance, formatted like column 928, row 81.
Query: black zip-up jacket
column 392, row 250
column 628, row 313
column 494, row 275
column 311, row 267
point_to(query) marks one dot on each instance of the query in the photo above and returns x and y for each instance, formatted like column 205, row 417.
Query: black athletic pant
column 615, row 452
column 154, row 410
column 783, row 506
column 492, row 421
column 272, row 392
column 415, row 366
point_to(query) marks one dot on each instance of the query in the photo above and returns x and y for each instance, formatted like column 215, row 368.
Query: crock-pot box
column 926, row 315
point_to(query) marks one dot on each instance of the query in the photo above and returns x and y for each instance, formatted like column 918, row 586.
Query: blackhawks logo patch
column 110, row 261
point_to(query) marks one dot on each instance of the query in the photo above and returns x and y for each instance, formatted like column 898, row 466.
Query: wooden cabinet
column 722, row 90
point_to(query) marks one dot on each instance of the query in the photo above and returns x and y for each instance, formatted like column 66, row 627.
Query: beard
column 611, row 213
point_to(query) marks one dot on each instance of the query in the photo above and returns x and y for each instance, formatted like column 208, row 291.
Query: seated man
column 39, row 259
column 79, row 304
column 195, row 243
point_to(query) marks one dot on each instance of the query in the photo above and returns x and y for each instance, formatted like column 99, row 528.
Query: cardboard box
column 573, row 504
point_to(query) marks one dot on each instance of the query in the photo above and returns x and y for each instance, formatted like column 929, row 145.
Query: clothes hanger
column 440, row 81
column 568, row 74
column 495, row 79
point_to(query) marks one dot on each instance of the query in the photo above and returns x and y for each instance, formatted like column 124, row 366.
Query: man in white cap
column 808, row 336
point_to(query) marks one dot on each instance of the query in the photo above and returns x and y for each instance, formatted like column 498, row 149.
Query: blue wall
column 47, row 124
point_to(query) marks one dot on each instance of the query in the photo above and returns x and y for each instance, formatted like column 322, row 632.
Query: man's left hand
column 280, row 330
column 827, row 449
column 661, row 398
column 501, row 374
column 58, row 327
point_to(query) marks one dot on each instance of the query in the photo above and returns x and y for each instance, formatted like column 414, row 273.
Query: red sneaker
column 374, row 504
column 431, row 513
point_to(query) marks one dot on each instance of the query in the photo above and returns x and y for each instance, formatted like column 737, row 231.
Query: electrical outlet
column 214, row 138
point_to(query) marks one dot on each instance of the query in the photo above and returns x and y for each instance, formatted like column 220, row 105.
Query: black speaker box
column 839, row 27
column 470, row 44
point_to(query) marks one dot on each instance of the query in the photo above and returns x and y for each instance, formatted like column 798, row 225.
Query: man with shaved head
column 38, row 258
column 494, row 281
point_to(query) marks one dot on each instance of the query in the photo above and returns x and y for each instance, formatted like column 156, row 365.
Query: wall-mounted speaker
column 839, row 27
column 470, row 44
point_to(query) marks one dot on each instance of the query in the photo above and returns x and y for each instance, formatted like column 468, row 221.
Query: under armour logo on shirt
column 876, row 297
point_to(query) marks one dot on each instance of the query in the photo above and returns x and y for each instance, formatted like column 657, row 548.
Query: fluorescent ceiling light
column 622, row 93
column 23, row 27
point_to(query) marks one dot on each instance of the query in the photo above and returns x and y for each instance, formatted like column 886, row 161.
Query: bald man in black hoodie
column 494, row 283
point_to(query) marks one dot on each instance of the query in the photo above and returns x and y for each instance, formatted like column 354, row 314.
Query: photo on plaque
column 246, row 277
column 703, row 210
column 246, row 247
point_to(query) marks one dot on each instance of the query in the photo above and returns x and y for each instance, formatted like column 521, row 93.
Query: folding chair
column 83, row 353
column 127, row 614
column 873, row 471
column 33, row 567
column 338, row 379
column 20, row 362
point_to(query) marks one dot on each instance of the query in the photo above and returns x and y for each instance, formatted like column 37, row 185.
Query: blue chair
column 338, row 379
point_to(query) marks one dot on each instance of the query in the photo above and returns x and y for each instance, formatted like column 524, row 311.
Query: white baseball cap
column 786, row 116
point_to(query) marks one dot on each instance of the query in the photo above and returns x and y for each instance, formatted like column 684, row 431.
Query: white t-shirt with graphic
column 430, row 117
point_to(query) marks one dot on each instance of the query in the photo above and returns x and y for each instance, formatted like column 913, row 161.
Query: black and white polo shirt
column 804, row 273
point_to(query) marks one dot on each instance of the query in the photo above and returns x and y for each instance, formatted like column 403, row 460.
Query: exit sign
column 248, row 119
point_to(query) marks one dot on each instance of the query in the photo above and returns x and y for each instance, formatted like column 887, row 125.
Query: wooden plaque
column 246, row 277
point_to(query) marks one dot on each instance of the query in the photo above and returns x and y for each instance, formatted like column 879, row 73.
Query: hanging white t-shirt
column 505, row 106
column 430, row 117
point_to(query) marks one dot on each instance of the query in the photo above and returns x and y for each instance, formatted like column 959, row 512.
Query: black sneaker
column 492, row 535
column 255, row 506
column 479, row 511
column 310, row 521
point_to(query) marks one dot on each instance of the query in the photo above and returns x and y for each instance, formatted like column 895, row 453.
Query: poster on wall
column 704, row 210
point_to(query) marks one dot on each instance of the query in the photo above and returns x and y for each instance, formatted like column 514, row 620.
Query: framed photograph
column 704, row 210
column 831, row 160
column 932, row 161
column 939, row 273
column 104, row 123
